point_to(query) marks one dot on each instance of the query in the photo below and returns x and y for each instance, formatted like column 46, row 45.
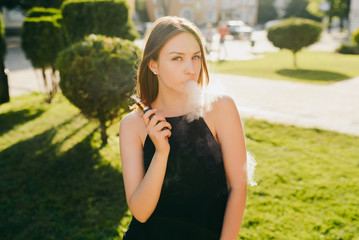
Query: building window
column 187, row 13
column 211, row 2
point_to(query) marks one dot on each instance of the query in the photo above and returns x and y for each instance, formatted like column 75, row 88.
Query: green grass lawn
column 57, row 182
column 313, row 67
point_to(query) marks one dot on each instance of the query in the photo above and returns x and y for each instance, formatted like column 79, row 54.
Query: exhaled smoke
column 200, row 101
column 251, row 165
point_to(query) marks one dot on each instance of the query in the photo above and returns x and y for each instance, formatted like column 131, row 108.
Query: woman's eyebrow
column 180, row 53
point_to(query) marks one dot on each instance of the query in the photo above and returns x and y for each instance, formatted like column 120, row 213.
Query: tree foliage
column 339, row 8
column 141, row 9
column 298, row 8
column 98, row 75
column 266, row 11
column 42, row 39
column 355, row 36
column 294, row 34
column 27, row 4
column 4, row 86
column 104, row 17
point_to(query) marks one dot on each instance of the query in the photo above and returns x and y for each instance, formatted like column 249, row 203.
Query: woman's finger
column 146, row 116
column 162, row 125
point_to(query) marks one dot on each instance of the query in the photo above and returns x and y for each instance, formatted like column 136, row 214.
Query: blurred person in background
column 223, row 31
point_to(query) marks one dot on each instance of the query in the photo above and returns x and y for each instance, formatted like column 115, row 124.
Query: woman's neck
column 171, row 105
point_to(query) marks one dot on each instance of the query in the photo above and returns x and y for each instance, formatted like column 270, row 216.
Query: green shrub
column 97, row 75
column 4, row 86
column 294, row 34
column 42, row 40
column 355, row 36
column 41, row 12
column 2, row 39
column 103, row 17
column 348, row 48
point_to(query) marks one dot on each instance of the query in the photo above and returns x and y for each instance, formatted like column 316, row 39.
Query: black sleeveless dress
column 194, row 192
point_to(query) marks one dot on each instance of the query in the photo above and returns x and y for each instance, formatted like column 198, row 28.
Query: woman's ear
column 152, row 65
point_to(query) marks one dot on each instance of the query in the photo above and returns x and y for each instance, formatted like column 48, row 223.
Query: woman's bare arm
column 230, row 135
column 142, row 190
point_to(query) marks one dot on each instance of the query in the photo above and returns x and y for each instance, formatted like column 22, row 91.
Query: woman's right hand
column 158, row 135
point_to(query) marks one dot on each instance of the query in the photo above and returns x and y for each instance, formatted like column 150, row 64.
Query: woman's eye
column 177, row 58
column 196, row 57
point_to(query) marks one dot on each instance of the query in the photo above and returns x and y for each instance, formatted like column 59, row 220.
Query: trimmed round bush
column 294, row 34
column 41, row 40
column 102, row 17
column 98, row 75
column 355, row 36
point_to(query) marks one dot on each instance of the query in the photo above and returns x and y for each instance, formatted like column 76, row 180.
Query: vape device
column 143, row 107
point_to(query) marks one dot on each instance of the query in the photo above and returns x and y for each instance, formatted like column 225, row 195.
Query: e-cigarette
column 144, row 108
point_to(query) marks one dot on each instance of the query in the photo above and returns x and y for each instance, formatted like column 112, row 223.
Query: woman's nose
column 189, row 68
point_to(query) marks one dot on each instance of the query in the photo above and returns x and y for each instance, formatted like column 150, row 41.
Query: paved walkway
column 333, row 107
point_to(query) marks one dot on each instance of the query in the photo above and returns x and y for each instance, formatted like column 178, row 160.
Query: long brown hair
column 159, row 33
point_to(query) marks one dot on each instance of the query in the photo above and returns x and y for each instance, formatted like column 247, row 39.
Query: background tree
column 294, row 34
column 141, row 10
column 266, row 11
column 298, row 8
column 42, row 40
column 4, row 86
column 98, row 75
column 27, row 4
column 339, row 8
column 104, row 17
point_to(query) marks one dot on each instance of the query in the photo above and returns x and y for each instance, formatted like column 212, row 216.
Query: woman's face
column 179, row 64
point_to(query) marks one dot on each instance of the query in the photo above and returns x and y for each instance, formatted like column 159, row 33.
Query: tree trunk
column 47, row 88
column 330, row 24
column 4, row 85
column 295, row 59
column 54, row 83
column 103, row 133
column 44, row 78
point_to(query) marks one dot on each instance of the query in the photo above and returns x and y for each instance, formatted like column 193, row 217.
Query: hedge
column 41, row 40
column 42, row 12
column 102, row 17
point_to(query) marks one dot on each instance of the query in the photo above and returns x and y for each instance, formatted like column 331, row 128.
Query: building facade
column 354, row 16
column 205, row 11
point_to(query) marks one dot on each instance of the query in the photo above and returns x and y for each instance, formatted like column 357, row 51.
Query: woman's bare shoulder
column 224, row 105
column 132, row 120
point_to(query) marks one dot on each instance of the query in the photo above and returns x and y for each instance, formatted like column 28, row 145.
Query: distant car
column 239, row 29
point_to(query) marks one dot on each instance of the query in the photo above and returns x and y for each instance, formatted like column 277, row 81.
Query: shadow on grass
column 11, row 119
column 45, row 194
column 315, row 75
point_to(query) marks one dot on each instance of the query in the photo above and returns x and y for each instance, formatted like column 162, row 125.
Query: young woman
column 183, row 179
